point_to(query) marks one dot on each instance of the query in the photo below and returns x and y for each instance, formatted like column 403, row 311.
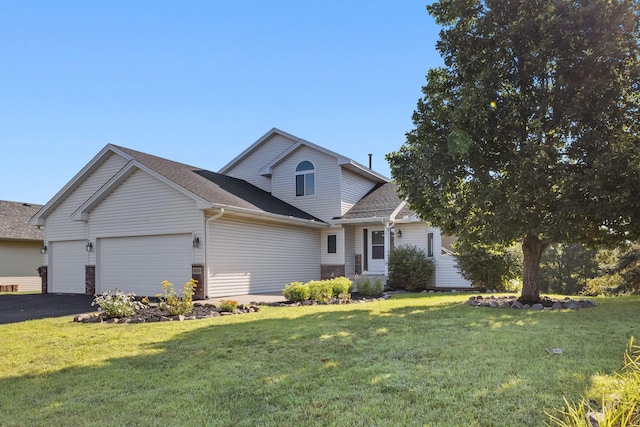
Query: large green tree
column 530, row 131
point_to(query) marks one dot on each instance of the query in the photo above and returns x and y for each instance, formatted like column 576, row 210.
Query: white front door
column 377, row 251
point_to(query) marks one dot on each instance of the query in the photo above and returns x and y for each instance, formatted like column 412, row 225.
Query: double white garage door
column 134, row 264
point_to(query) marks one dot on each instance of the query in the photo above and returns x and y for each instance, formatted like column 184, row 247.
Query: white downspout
column 206, row 244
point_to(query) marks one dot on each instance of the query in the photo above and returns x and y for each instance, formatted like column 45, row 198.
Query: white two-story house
column 283, row 210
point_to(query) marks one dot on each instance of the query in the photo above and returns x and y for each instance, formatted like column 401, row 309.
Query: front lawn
column 413, row 360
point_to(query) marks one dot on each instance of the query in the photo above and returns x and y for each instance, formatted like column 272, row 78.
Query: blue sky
column 199, row 81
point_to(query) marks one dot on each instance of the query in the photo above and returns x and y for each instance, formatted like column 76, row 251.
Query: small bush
column 116, row 303
column 603, row 285
column 341, row 287
column 488, row 266
column 228, row 305
column 409, row 268
column 296, row 292
column 369, row 288
column 320, row 290
column 174, row 304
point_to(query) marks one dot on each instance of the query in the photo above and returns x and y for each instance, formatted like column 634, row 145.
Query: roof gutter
column 272, row 216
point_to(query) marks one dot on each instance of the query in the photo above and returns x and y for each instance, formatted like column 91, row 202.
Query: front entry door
column 377, row 251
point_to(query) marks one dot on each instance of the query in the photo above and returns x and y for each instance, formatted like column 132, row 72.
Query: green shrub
column 296, row 292
column 409, row 268
column 116, row 303
column 228, row 305
column 369, row 288
column 341, row 287
column 603, row 285
column 320, row 290
column 488, row 266
column 174, row 304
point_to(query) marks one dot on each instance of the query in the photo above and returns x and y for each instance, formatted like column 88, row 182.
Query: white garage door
column 248, row 258
column 140, row 264
column 66, row 272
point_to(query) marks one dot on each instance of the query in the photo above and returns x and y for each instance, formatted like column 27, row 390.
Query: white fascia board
column 226, row 168
column 393, row 215
column 82, row 213
column 271, row 216
column 368, row 220
column 40, row 217
column 364, row 171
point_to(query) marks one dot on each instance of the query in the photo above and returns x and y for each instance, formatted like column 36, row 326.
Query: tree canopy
column 531, row 130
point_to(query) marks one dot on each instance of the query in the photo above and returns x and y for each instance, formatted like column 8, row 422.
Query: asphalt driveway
column 18, row 307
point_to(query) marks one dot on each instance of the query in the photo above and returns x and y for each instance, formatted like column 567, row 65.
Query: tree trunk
column 532, row 249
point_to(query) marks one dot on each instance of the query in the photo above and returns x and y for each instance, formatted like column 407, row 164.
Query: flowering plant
column 116, row 303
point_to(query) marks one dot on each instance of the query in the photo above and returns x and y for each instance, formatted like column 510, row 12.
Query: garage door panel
column 67, row 270
column 141, row 264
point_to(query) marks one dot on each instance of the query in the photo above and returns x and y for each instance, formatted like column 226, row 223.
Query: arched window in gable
column 305, row 179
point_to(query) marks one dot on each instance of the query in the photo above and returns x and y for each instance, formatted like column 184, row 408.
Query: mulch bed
column 152, row 313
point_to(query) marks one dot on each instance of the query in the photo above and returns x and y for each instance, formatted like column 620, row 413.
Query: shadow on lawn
column 410, row 364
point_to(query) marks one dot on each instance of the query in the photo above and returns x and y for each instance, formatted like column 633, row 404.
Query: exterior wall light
column 196, row 242
column 399, row 234
column 89, row 246
column 43, row 249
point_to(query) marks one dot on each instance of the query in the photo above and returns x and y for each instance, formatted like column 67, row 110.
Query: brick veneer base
column 197, row 274
column 90, row 279
column 42, row 272
column 331, row 271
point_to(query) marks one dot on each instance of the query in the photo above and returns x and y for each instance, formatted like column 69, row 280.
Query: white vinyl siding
column 20, row 259
column 335, row 258
column 252, row 257
column 248, row 168
column 141, row 264
column 349, row 251
column 416, row 234
column 59, row 225
column 19, row 262
column 448, row 275
column 66, row 273
column 325, row 203
column 354, row 188
column 144, row 205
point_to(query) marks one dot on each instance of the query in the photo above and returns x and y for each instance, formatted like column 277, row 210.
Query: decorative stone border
column 545, row 303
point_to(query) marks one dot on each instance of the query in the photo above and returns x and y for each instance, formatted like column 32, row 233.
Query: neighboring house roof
column 381, row 202
column 14, row 218
column 209, row 189
column 343, row 161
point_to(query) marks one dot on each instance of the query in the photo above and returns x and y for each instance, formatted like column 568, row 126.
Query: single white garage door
column 66, row 270
column 247, row 257
column 141, row 264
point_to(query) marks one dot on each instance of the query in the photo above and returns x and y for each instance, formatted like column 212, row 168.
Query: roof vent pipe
column 370, row 156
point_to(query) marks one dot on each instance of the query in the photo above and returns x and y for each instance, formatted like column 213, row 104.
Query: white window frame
column 308, row 179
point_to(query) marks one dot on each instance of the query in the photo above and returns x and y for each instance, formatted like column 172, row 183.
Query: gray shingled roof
column 217, row 188
column 13, row 221
column 380, row 202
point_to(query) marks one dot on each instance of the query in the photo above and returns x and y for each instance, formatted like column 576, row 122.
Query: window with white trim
column 305, row 179
column 332, row 244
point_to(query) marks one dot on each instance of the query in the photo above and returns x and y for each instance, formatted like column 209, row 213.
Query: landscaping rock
column 517, row 304
column 545, row 303
column 572, row 305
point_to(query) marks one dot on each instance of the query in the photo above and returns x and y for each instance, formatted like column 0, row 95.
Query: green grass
column 415, row 360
